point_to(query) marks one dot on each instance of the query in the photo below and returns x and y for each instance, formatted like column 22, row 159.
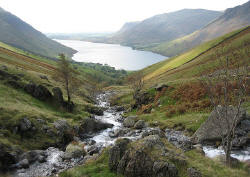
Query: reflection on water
column 114, row 55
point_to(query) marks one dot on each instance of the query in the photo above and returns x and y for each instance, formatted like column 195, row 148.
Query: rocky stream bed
column 53, row 160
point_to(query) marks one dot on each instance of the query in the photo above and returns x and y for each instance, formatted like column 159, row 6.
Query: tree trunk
column 228, row 151
column 67, row 89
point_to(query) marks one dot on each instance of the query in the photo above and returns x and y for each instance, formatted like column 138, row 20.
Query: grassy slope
column 16, row 104
column 188, row 61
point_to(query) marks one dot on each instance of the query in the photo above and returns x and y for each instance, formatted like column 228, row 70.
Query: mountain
column 126, row 27
column 232, row 19
column 15, row 32
column 163, row 27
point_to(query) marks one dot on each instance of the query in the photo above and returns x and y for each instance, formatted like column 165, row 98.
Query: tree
column 136, row 82
column 226, row 89
column 67, row 75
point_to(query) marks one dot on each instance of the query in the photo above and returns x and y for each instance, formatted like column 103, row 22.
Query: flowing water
column 54, row 162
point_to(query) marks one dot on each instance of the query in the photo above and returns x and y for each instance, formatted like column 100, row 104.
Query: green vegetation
column 15, row 32
column 16, row 104
column 93, row 168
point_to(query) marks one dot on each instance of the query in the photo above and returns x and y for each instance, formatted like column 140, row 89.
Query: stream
column 54, row 162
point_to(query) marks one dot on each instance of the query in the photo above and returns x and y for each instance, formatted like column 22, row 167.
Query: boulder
column 8, row 157
column 57, row 95
column 117, row 152
column 141, row 159
column 61, row 125
column 119, row 108
column 140, row 124
column 94, row 110
column 192, row 172
column 23, row 164
column 44, row 77
column 143, row 98
column 155, row 131
column 160, row 87
column 212, row 128
column 74, row 150
column 162, row 169
column 40, row 92
column 90, row 126
column 25, row 125
column 14, row 84
column 130, row 121
column 33, row 156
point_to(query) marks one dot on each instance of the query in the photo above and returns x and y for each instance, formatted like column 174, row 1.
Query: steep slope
column 202, row 58
column 232, row 19
column 165, row 27
column 15, row 32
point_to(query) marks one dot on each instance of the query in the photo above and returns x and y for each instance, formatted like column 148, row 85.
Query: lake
column 120, row 57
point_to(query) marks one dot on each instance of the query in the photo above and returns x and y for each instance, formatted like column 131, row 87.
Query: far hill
column 163, row 27
column 232, row 19
column 15, row 32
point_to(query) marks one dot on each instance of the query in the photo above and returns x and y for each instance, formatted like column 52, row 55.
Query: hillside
column 15, row 32
column 232, row 19
column 175, row 103
column 164, row 27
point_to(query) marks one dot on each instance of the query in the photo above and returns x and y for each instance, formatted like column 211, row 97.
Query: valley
column 100, row 104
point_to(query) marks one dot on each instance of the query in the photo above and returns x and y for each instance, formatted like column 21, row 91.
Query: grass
column 201, row 58
column 93, row 168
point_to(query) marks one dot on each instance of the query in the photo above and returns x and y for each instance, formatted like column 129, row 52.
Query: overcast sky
column 71, row 16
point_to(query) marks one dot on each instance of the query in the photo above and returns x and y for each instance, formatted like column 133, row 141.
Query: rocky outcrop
column 116, row 153
column 141, row 159
column 38, row 91
column 143, row 98
column 57, row 95
column 211, row 130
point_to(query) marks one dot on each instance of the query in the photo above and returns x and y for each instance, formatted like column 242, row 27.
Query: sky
column 76, row 16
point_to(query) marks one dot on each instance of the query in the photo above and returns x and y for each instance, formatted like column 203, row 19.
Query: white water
column 241, row 155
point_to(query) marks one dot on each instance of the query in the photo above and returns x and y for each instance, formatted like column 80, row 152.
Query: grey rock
column 160, row 87
column 25, row 125
column 24, row 164
column 44, row 77
column 90, row 126
column 130, row 121
column 155, row 131
column 211, row 129
column 117, row 152
column 140, row 124
column 163, row 169
column 245, row 125
column 57, row 95
column 61, row 125
column 192, row 172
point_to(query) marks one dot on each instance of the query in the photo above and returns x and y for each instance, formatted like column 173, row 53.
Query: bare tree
column 226, row 89
column 67, row 75
column 136, row 82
